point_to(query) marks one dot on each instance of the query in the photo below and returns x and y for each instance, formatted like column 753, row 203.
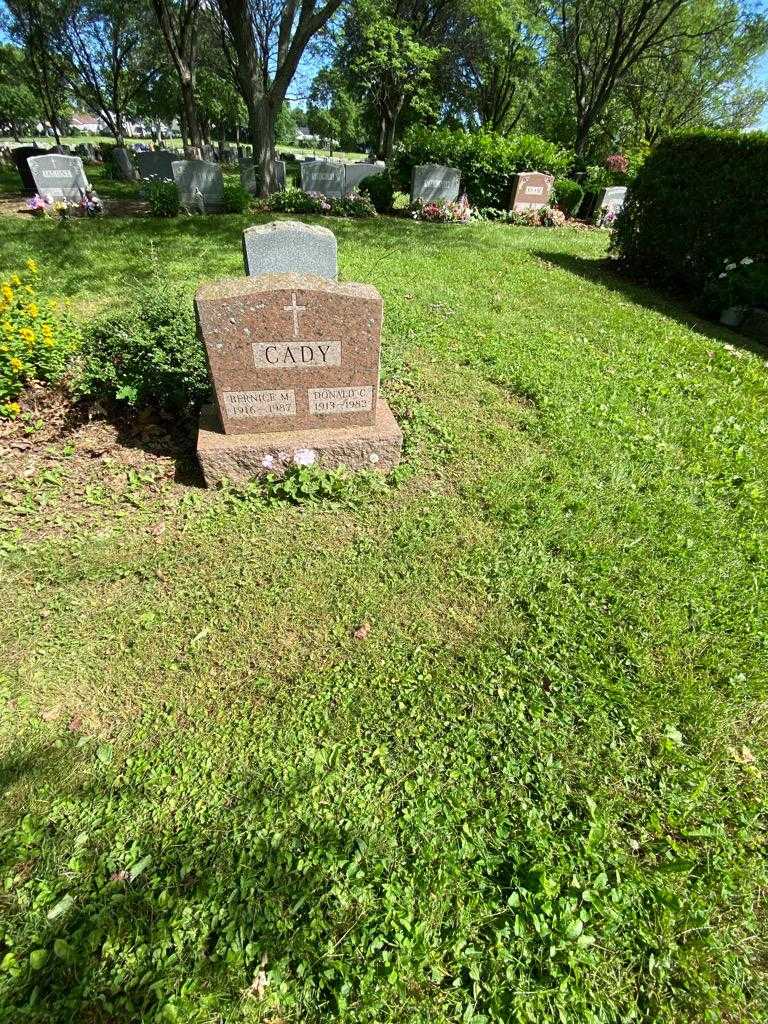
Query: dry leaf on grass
column 361, row 633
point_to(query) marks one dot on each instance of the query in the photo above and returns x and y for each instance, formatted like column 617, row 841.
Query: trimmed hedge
column 699, row 200
column 487, row 161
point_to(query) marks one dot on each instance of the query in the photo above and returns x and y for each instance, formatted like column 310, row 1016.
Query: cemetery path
column 486, row 745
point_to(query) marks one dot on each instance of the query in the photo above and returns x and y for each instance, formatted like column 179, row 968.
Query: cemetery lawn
column 531, row 789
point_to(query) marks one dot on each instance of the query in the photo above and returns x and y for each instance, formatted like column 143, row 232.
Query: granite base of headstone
column 433, row 182
column 530, row 191
column 290, row 247
column 294, row 360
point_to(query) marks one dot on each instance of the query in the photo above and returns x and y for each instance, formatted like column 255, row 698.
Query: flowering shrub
column 442, row 211
column 742, row 284
column 295, row 200
column 617, row 163
column 35, row 337
column 533, row 217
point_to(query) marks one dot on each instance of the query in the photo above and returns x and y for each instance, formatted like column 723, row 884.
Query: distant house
column 305, row 135
column 87, row 123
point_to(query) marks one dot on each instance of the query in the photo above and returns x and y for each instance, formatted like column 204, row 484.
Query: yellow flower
column 29, row 289
column 32, row 266
column 27, row 334
column 32, row 310
column 7, row 292
column 47, row 330
column 49, row 342
column 8, row 327
column 15, row 363
column 12, row 408
column 16, row 280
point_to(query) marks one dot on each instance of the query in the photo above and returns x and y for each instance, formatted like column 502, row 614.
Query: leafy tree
column 34, row 25
column 389, row 56
column 285, row 126
column 497, row 66
column 707, row 81
column 18, row 105
column 179, row 23
column 265, row 41
column 333, row 112
column 601, row 41
column 101, row 44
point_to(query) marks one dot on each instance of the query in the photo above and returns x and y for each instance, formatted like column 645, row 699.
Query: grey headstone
column 323, row 176
column 61, row 177
column 611, row 202
column 433, row 181
column 248, row 176
column 156, row 164
column 125, row 169
column 355, row 173
column 289, row 247
column 200, row 184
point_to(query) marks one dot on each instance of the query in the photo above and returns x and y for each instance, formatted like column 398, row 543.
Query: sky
column 762, row 78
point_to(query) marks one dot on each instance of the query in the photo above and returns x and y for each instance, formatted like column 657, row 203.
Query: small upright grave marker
column 156, row 164
column 20, row 155
column 431, row 182
column 290, row 247
column 355, row 173
column 611, row 203
column 249, row 179
column 58, row 176
column 530, row 190
column 200, row 184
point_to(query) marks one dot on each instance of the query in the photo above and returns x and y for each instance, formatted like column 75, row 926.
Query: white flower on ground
column 373, row 458
column 722, row 275
column 747, row 262
column 283, row 456
column 730, row 266
column 268, row 461
column 304, row 457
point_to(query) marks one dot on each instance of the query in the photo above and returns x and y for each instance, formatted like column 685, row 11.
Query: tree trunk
column 189, row 109
column 261, row 127
column 222, row 139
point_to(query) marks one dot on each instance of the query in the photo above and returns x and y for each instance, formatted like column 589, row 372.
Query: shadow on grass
column 605, row 273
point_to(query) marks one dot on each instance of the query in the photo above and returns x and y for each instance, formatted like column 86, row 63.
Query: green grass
column 535, row 792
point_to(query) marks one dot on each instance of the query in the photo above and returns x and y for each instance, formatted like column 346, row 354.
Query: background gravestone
column 122, row 161
column 156, row 164
column 430, row 182
column 200, row 184
column 611, row 202
column 248, row 176
column 61, row 177
column 19, row 155
column 530, row 190
column 355, row 173
column 290, row 247
column 323, row 176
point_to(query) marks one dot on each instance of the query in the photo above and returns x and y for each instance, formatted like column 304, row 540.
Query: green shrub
column 380, row 189
column 237, row 199
column 149, row 355
column 567, row 195
column 737, row 284
column 487, row 161
column 163, row 198
column 698, row 202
